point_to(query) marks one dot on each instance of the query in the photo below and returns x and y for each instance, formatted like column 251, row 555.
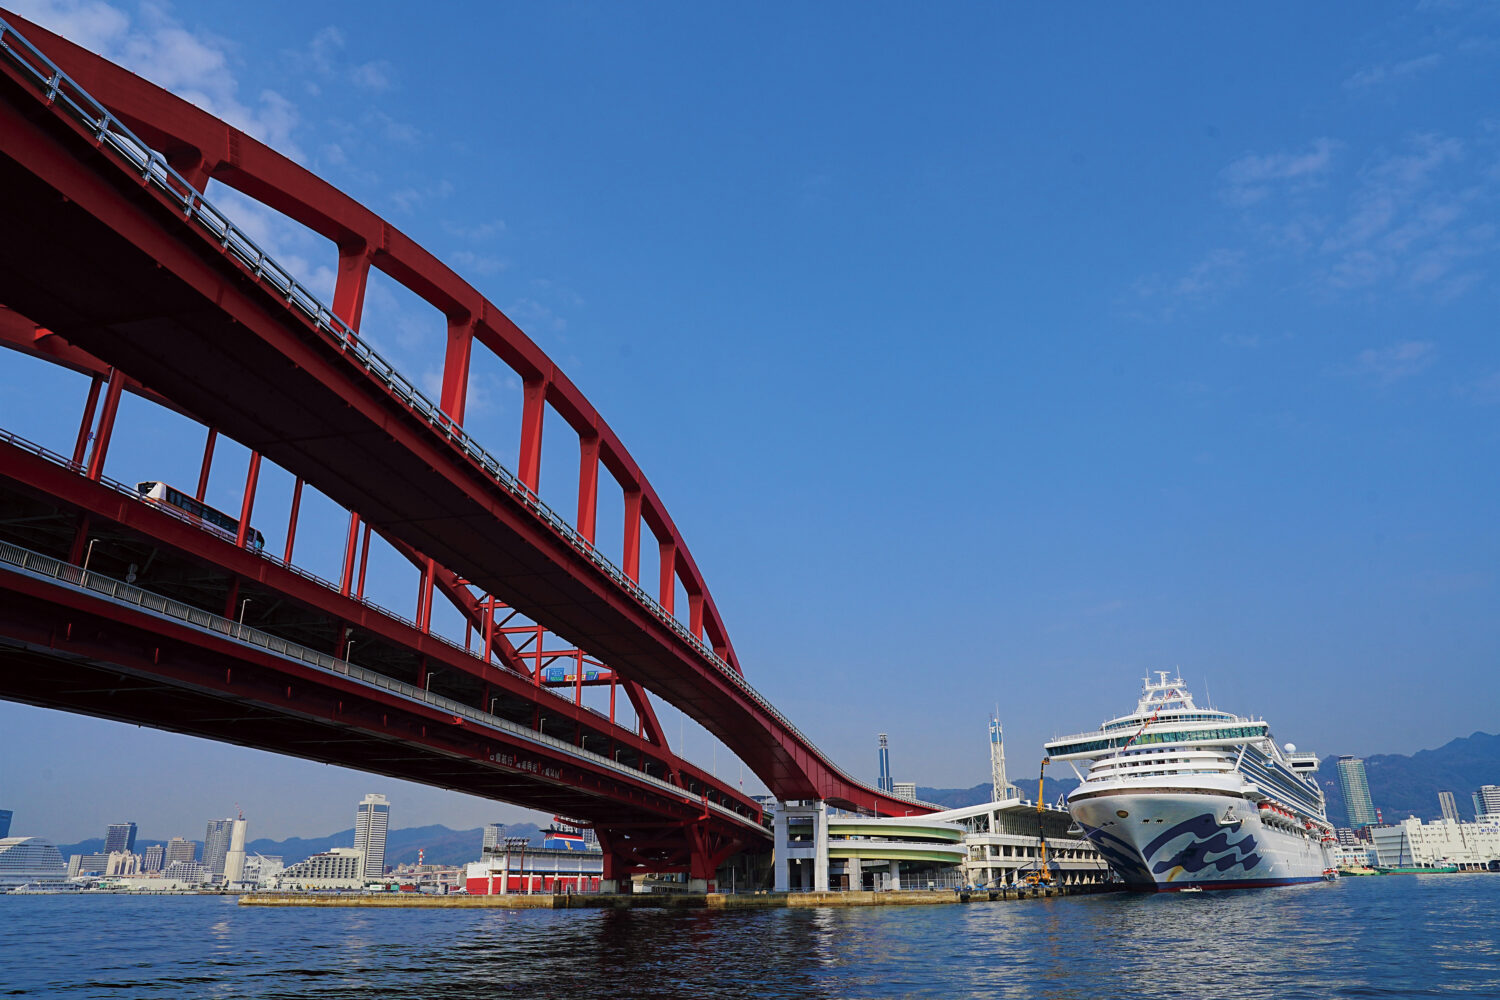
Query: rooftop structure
column 30, row 859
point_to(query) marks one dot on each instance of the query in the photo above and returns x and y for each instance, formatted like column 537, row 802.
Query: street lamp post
column 516, row 844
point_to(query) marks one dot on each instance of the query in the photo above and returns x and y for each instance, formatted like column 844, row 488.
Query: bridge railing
column 15, row 440
column 110, row 133
column 45, row 566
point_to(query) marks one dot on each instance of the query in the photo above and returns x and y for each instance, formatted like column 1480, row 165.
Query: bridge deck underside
column 83, row 653
column 42, row 506
column 96, row 259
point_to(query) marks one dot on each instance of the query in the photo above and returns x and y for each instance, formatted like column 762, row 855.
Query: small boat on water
column 1416, row 869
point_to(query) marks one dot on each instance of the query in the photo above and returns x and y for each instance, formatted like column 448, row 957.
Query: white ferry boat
column 1179, row 797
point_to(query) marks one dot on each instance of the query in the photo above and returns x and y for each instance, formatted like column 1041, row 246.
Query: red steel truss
column 114, row 264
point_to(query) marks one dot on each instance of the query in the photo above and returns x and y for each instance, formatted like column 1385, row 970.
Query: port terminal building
column 993, row 844
column 1470, row 846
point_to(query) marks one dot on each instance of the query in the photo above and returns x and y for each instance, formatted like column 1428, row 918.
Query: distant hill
column 956, row 798
column 441, row 845
column 1402, row 786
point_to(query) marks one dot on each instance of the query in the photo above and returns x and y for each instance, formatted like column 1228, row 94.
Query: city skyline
column 1095, row 375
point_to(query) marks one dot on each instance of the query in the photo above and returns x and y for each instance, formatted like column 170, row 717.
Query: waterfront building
column 588, row 833
column 904, row 790
column 153, row 859
column 988, row 845
column 1347, row 836
column 123, row 863
column 371, row 822
column 534, row 870
column 1488, row 798
column 30, row 859
column 261, row 869
column 234, row 859
column 187, row 873
column 1356, row 789
column 494, row 836
column 119, row 837
column 216, row 845
column 1446, row 803
column 5, row 815
column 340, row 868
column 1471, row 846
column 96, row 863
column 179, row 849
column 1356, row 855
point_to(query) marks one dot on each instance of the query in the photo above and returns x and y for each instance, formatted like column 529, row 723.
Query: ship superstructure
column 1176, row 796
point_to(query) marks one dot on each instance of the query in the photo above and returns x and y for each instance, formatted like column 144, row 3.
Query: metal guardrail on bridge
column 46, row 567
column 112, row 135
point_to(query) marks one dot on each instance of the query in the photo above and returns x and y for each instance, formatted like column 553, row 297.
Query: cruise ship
column 1181, row 797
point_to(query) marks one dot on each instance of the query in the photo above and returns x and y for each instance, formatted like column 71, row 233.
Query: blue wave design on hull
column 1208, row 838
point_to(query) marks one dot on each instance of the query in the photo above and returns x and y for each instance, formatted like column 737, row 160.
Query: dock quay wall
column 662, row 900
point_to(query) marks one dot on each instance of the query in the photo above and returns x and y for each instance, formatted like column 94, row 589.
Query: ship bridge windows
column 1251, row 731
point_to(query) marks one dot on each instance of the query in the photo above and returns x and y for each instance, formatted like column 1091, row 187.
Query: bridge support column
column 780, row 844
column 820, row 848
column 895, row 876
column 812, row 872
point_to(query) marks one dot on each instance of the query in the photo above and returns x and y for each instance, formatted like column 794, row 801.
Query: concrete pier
column 663, row 900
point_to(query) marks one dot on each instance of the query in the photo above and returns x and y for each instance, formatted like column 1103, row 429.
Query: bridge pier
column 807, row 844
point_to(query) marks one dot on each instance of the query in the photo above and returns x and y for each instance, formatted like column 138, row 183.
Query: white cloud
column 193, row 65
column 1160, row 297
column 1392, row 72
column 469, row 262
column 1252, row 178
column 1391, row 364
column 1484, row 390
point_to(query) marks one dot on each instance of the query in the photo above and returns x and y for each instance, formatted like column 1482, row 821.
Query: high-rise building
column 234, row 861
column 1489, row 799
column 885, row 763
column 179, row 849
column 494, row 837
column 371, row 821
column 1450, row 809
column 904, row 790
column 4, row 823
column 154, row 859
column 120, row 837
column 216, row 845
column 1356, row 789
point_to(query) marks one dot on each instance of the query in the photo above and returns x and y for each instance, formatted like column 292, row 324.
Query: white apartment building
column 1471, row 846
column 340, row 868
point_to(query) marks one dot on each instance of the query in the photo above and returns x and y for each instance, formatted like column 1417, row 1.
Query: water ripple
column 1390, row 937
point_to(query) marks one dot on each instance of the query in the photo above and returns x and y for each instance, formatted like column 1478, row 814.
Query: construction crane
column 1040, row 875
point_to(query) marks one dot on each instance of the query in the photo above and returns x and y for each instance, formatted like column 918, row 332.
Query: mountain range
column 1400, row 785
column 440, row 845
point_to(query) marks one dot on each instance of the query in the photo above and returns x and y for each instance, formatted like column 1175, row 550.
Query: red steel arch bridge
column 129, row 606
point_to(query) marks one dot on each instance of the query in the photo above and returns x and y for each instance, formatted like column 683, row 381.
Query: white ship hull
column 1167, row 840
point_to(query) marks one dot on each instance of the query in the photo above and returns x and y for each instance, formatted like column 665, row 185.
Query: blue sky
column 983, row 354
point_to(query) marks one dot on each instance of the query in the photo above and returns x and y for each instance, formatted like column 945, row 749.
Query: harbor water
column 1391, row 936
